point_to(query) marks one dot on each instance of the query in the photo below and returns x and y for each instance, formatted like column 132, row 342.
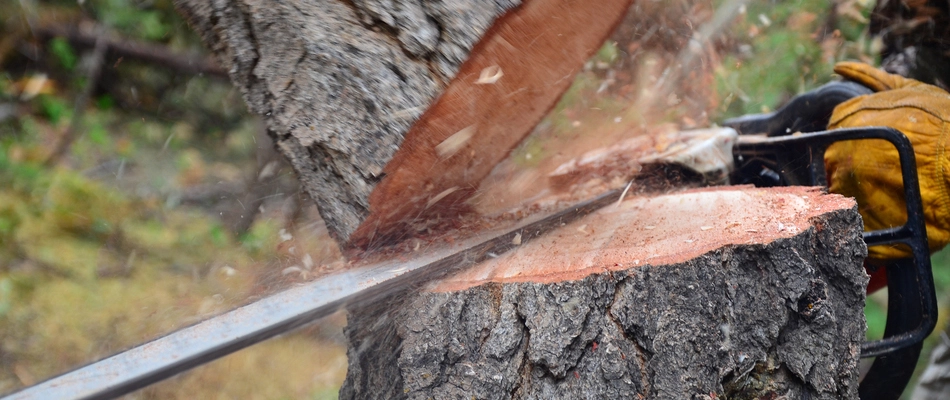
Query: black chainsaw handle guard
column 807, row 112
column 912, row 304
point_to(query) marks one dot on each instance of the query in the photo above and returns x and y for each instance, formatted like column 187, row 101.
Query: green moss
column 83, row 206
column 150, row 234
column 65, row 254
column 11, row 209
column 90, row 267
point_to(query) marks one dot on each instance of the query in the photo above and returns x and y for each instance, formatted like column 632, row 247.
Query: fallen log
column 709, row 293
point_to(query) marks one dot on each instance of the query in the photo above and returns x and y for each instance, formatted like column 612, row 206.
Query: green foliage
column 941, row 263
column 529, row 152
column 95, row 254
column 55, row 109
column 854, row 27
column 143, row 20
column 64, row 53
column 7, row 221
column 98, row 135
column 260, row 238
column 6, row 89
column 781, row 58
column 77, row 204
column 151, row 26
column 6, row 296
column 608, row 53
column 21, row 177
column 82, row 261
column 105, row 102
column 786, row 49
column 326, row 394
column 875, row 311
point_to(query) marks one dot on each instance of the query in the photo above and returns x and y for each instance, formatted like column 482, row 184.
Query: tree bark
column 359, row 95
column 712, row 293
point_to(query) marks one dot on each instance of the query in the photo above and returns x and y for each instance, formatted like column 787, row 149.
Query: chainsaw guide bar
column 218, row 336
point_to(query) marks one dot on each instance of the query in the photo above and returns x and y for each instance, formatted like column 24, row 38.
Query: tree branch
column 120, row 47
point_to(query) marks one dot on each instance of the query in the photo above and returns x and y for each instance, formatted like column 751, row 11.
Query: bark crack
column 524, row 372
column 641, row 355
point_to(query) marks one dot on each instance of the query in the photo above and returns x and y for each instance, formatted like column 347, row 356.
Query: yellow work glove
column 869, row 170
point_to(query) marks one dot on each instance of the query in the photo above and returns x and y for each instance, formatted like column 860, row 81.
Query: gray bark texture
column 340, row 82
column 782, row 319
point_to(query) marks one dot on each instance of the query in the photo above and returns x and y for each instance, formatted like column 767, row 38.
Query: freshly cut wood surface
column 730, row 292
column 661, row 230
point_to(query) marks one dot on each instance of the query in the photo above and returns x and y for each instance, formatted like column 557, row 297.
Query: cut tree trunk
column 393, row 111
column 710, row 293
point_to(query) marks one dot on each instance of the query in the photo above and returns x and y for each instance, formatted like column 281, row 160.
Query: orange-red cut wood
column 662, row 230
column 513, row 76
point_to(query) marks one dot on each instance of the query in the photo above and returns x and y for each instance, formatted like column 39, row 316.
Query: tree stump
column 709, row 293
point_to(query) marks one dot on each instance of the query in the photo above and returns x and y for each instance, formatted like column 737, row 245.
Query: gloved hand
column 869, row 170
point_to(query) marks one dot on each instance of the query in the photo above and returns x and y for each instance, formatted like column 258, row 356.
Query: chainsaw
column 782, row 148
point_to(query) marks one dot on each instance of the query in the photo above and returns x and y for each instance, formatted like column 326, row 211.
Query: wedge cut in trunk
column 392, row 113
